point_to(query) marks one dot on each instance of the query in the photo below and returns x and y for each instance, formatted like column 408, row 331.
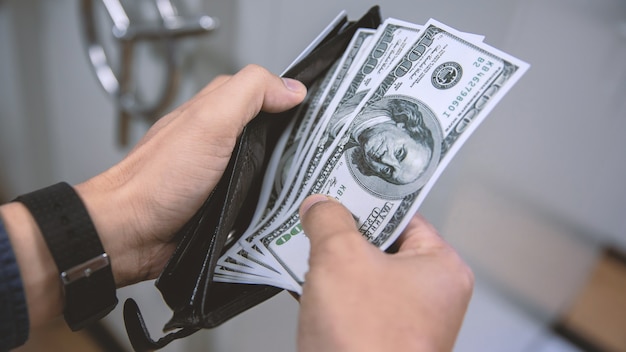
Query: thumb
column 254, row 88
column 226, row 109
column 323, row 218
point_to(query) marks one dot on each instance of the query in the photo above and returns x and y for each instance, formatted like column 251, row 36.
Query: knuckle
column 341, row 244
column 255, row 70
column 222, row 77
column 460, row 275
column 464, row 274
column 467, row 278
column 256, row 80
column 218, row 80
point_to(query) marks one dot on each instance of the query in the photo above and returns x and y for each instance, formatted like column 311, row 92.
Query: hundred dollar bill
column 300, row 148
column 273, row 180
column 304, row 138
column 357, row 72
column 298, row 145
column 280, row 170
column 391, row 42
column 389, row 152
column 386, row 46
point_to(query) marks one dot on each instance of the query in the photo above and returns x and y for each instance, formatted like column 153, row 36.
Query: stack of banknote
column 375, row 133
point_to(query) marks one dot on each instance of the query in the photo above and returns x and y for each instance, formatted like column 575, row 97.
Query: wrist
column 40, row 277
column 113, row 215
column 72, row 240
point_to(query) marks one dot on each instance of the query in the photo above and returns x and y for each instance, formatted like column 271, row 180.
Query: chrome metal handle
column 118, row 83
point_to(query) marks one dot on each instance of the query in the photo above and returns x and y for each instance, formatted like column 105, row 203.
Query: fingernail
column 311, row 201
column 292, row 84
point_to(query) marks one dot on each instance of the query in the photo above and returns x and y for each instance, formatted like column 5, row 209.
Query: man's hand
column 358, row 298
column 139, row 204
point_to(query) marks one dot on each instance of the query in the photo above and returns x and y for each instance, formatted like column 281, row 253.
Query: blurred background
column 535, row 201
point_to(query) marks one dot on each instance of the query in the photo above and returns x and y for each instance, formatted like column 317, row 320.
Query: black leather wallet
column 186, row 282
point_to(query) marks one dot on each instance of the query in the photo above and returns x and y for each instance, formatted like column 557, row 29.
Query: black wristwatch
column 84, row 267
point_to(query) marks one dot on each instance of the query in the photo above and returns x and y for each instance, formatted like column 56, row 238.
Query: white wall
column 23, row 137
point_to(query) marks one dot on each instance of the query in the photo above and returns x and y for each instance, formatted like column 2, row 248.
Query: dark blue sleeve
column 13, row 311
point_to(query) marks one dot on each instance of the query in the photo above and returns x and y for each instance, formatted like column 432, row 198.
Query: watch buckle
column 85, row 269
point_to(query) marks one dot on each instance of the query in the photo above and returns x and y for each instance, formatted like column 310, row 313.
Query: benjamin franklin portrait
column 394, row 146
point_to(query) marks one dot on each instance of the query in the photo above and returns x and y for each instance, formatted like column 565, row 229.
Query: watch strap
column 71, row 237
